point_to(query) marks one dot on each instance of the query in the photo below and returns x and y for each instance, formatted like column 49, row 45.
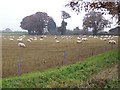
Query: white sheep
column 79, row 41
column 11, row 39
column 78, row 38
column 55, row 37
column 20, row 44
column 84, row 39
column 101, row 38
column 28, row 40
column 31, row 39
column 104, row 39
column 41, row 39
column 112, row 42
column 20, row 39
column 35, row 38
column 57, row 41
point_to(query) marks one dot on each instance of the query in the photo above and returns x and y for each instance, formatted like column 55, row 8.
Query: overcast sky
column 13, row 11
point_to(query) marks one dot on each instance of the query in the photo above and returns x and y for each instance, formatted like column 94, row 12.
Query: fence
column 25, row 62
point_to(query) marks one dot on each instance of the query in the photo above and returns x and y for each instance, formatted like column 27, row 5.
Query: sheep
column 20, row 44
column 45, row 36
column 62, row 37
column 78, row 38
column 112, row 42
column 90, row 36
column 104, row 39
column 95, row 37
column 79, row 41
column 11, row 39
column 57, row 41
column 101, row 38
column 35, row 38
column 67, row 38
column 41, row 36
column 84, row 36
column 28, row 40
column 71, row 37
column 31, row 39
column 19, row 40
column 55, row 37
column 84, row 39
column 41, row 39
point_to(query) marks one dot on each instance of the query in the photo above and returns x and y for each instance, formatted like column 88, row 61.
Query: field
column 40, row 55
column 98, row 71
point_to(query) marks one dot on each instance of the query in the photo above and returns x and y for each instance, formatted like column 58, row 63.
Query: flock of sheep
column 79, row 39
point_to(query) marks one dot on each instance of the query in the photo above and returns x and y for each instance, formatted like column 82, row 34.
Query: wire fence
column 25, row 63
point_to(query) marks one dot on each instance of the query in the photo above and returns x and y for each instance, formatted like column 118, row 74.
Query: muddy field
column 43, row 54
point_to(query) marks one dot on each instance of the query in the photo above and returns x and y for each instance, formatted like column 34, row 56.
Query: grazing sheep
column 101, row 38
column 84, row 39
column 78, row 38
column 90, row 36
column 104, row 39
column 57, row 41
column 112, row 42
column 84, row 35
column 11, row 39
column 31, row 39
column 62, row 37
column 106, row 36
column 79, row 41
column 35, row 38
column 20, row 44
column 41, row 36
column 55, row 37
column 45, row 36
column 95, row 37
column 28, row 40
column 19, row 40
column 41, row 39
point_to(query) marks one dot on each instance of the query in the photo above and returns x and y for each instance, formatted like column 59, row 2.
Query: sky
column 13, row 11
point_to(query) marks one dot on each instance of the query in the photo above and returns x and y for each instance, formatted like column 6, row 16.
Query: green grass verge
column 66, row 76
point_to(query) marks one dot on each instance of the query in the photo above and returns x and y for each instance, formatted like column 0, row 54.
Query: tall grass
column 66, row 76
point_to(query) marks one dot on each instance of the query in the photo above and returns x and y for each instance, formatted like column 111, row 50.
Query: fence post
column 79, row 54
column 92, row 51
column 19, row 66
column 65, row 57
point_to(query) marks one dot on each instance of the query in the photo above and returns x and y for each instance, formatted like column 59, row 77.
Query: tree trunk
column 40, row 32
column 95, row 32
column 30, row 32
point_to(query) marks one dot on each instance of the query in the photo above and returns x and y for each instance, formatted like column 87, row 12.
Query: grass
column 32, row 58
column 66, row 76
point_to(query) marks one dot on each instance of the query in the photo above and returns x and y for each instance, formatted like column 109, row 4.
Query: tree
column 62, row 29
column 65, row 15
column 95, row 21
column 113, row 7
column 76, row 31
column 51, row 26
column 35, row 23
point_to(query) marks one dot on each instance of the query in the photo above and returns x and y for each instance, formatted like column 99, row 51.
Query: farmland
column 43, row 54
column 73, row 76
